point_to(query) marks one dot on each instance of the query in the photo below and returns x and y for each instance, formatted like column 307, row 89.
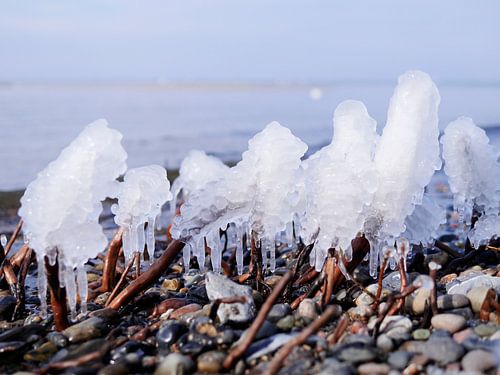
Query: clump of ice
column 472, row 168
column 423, row 224
column 196, row 170
column 340, row 182
column 259, row 196
column 407, row 156
column 61, row 207
column 142, row 193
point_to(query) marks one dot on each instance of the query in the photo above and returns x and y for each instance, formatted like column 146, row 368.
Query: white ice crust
column 142, row 194
column 61, row 207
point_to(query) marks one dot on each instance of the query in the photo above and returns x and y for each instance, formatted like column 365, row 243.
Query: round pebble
column 175, row 364
column 373, row 368
column 308, row 309
column 485, row 330
column 452, row 301
column 478, row 361
column 421, row 334
column 448, row 322
column 211, row 362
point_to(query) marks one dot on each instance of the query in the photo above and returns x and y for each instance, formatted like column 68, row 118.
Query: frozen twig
column 109, row 271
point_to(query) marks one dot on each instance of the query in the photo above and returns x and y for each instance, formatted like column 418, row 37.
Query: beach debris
column 142, row 194
column 61, row 208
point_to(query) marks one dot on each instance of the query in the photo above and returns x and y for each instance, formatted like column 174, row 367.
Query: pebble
column 42, row 353
column 485, row 330
column 385, row 343
column 170, row 333
column 211, row 362
column 421, row 334
column 7, row 304
column 366, row 299
column 477, row 296
column 102, row 298
column 267, row 345
column 448, row 322
column 362, row 313
column 192, row 307
column 218, row 286
column 394, row 325
column 463, row 335
column 307, row 309
column 474, row 279
column 86, row 330
column 495, row 336
column 443, row 350
column 373, row 368
column 278, row 311
column 357, row 355
column 452, row 301
column 286, row 323
column 479, row 361
column 466, row 312
column 399, row 360
column 419, row 301
column 58, row 339
column 171, row 284
column 175, row 364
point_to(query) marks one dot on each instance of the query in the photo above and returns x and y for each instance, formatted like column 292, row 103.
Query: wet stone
column 385, row 343
column 102, row 298
column 267, row 329
column 278, row 311
column 171, row 284
column 443, row 350
column 7, row 305
column 466, row 312
column 88, row 329
column 286, row 323
column 42, row 353
column 308, row 309
column 58, row 339
column 373, row 368
column 28, row 333
column 169, row 333
column 211, row 362
column 399, row 360
column 356, row 355
column 421, row 334
column 175, row 364
column 479, row 361
column 485, row 330
column 114, row 369
column 452, row 301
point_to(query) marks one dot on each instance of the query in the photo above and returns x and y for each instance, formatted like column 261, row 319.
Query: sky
column 248, row 41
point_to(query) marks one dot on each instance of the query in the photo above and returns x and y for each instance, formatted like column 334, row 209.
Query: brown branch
column 10, row 276
column 276, row 363
column 12, row 238
column 448, row 250
column 433, row 297
column 149, row 277
column 109, row 271
column 340, row 329
column 484, row 313
column 379, row 283
column 330, row 274
column 77, row 362
column 121, row 281
column 21, row 278
column 250, row 334
column 57, row 296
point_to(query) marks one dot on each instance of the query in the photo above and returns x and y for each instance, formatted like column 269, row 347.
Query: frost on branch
column 405, row 160
column 472, row 168
column 260, row 195
column 196, row 170
column 340, row 182
column 61, row 207
column 142, row 193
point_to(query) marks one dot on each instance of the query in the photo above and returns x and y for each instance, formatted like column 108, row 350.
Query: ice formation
column 259, row 196
column 407, row 156
column 423, row 224
column 472, row 169
column 142, row 193
column 61, row 207
column 340, row 183
column 196, row 170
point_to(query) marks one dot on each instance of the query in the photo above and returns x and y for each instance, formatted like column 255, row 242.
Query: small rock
column 479, row 361
column 393, row 325
column 419, row 301
column 463, row 335
column 211, row 362
column 474, row 279
column 448, row 322
column 362, row 313
column 286, row 323
column 102, row 298
column 443, row 350
column 42, row 353
column 485, row 330
column 421, row 334
column 466, row 312
column 357, row 355
column 399, row 360
column 308, row 309
column 366, row 299
column 477, row 296
column 452, row 301
column 373, row 368
column 7, row 304
column 267, row 345
column 385, row 343
column 171, row 284
column 92, row 277
column 114, row 369
column 267, row 329
column 278, row 311
column 169, row 333
column 175, row 364
column 192, row 307
column 108, row 314
column 86, row 330
column 219, row 286
column 495, row 336
column 58, row 339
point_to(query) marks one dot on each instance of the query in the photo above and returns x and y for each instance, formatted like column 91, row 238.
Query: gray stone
column 443, row 350
column 308, row 309
column 485, row 330
column 333, row 366
column 286, row 323
column 211, row 362
column 452, row 301
column 393, row 325
column 373, row 368
column 421, row 334
column 479, row 361
column 385, row 343
column 219, row 286
column 448, row 322
column 175, row 364
column 357, row 355
column 268, row 345
column 399, row 360
column 278, row 311
column 88, row 329
column 475, row 279
column 466, row 312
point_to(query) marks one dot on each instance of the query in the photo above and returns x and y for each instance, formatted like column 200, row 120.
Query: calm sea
column 161, row 123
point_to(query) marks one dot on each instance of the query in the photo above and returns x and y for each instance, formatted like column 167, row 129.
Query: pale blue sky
column 254, row 40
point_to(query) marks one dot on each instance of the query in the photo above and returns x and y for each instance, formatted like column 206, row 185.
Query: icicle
column 348, row 253
column 239, row 250
column 42, row 285
column 68, row 276
column 214, row 243
column 81, row 280
column 373, row 260
column 272, row 253
column 126, row 242
column 200, row 253
column 341, row 266
column 186, row 256
column 312, row 256
column 403, row 247
column 150, row 237
column 264, row 248
column 141, row 239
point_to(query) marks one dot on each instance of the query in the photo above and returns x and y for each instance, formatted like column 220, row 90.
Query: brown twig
column 21, row 278
column 484, row 313
column 120, row 283
column 448, row 250
column 250, row 334
column 57, row 296
column 149, row 277
column 10, row 276
column 109, row 271
column 215, row 305
column 379, row 283
column 339, row 330
column 283, row 353
column 433, row 296
column 12, row 238
column 77, row 362
column 330, row 274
